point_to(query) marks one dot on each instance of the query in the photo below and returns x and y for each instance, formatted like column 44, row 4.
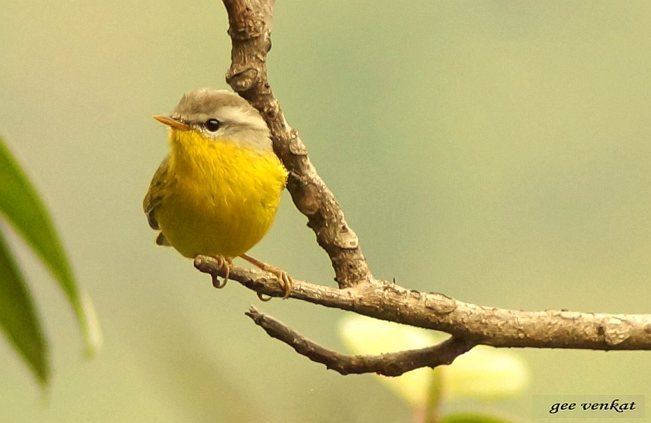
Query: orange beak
column 172, row 123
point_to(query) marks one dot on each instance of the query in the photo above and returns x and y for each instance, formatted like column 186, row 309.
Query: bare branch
column 250, row 28
column 390, row 364
column 469, row 324
column 479, row 324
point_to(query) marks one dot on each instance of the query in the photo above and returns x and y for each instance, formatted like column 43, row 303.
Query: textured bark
column 390, row 364
column 250, row 29
column 469, row 324
column 479, row 324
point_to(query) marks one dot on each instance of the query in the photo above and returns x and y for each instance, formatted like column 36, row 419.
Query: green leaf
column 18, row 316
column 24, row 210
column 472, row 418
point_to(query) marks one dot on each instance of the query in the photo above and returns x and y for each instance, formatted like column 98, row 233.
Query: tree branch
column 482, row 325
column 469, row 324
column 250, row 29
column 390, row 364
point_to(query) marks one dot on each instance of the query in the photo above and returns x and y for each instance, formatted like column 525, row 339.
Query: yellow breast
column 221, row 197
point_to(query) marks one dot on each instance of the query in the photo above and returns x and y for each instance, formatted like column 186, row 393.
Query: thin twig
column 390, row 364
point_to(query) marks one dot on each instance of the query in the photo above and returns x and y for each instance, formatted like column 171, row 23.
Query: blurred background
column 496, row 151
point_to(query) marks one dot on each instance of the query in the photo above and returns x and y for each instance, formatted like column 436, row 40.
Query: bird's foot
column 225, row 264
column 284, row 279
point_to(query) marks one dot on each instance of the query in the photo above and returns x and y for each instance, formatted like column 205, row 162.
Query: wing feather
column 156, row 193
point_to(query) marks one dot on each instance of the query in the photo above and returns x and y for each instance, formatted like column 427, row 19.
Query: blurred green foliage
column 496, row 151
column 23, row 209
column 484, row 373
column 18, row 317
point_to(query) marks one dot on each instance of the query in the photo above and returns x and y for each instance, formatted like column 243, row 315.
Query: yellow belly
column 222, row 198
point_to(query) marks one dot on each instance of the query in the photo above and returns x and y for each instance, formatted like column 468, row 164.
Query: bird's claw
column 225, row 264
column 284, row 280
column 263, row 297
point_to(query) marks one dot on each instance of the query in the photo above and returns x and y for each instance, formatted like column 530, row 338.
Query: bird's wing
column 161, row 240
column 156, row 192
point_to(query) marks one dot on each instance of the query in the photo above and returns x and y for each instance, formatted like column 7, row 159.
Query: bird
column 218, row 190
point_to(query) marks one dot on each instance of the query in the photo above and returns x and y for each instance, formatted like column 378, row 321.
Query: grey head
column 223, row 115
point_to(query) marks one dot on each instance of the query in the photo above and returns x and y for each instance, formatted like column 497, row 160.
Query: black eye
column 212, row 125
